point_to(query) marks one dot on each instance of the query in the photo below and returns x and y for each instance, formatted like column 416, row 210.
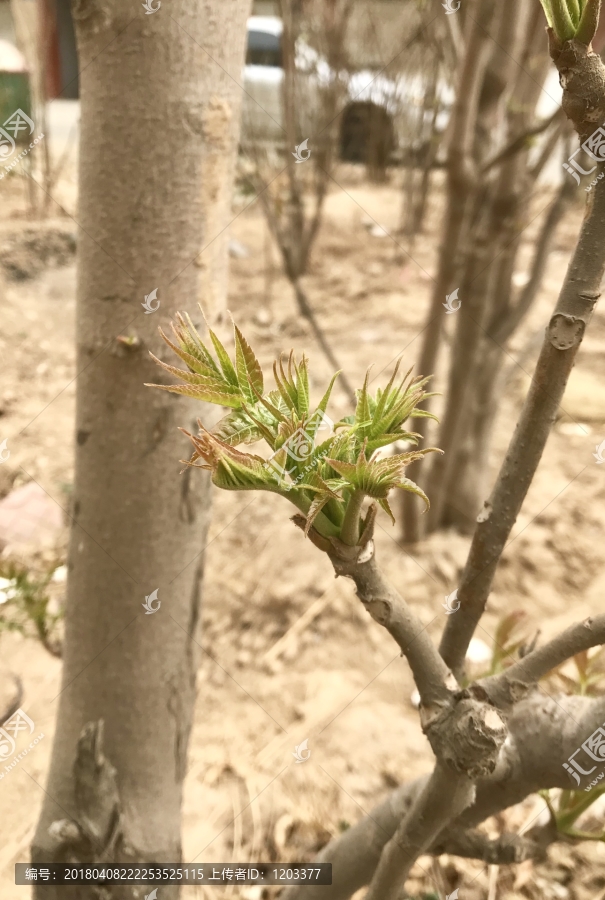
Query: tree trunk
column 468, row 482
column 157, row 100
column 487, row 296
column 470, row 476
column 460, row 192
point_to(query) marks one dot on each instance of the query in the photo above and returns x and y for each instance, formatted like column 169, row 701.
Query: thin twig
column 390, row 610
column 519, row 142
column 442, row 799
column 579, row 294
column 529, row 670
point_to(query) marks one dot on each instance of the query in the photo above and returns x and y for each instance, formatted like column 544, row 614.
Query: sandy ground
column 289, row 655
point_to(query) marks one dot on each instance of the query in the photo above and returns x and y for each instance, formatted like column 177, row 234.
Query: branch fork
column 468, row 735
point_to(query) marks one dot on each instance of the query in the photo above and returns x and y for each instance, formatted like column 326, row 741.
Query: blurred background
column 349, row 230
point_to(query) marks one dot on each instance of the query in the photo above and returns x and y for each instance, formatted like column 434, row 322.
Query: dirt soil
column 289, row 655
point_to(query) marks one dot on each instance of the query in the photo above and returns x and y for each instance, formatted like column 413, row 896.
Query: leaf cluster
column 325, row 468
column 571, row 19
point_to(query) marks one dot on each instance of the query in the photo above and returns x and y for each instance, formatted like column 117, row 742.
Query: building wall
column 7, row 28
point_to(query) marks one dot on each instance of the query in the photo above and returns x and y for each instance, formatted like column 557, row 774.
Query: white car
column 378, row 111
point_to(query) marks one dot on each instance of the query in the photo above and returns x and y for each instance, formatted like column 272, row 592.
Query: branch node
column 466, row 735
column 485, row 512
column 379, row 609
column 565, row 332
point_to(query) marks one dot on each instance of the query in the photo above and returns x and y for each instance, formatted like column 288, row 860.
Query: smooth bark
column 156, row 95
column 564, row 333
column 544, row 732
column 490, row 256
column 460, row 192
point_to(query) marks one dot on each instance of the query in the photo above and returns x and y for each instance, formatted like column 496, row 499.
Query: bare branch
column 543, row 733
column 535, row 665
column 503, row 850
column 307, row 311
column 441, row 800
column 580, row 291
column 456, row 36
column 294, row 226
column 460, row 196
column 508, row 321
column 520, row 141
column 389, row 609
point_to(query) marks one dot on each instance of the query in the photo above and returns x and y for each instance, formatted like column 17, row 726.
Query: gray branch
column 441, row 800
column 579, row 294
column 433, row 678
column 529, row 670
column 543, row 733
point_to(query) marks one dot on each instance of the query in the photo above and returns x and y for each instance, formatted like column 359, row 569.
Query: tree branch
column 580, row 291
column 520, row 141
column 307, row 311
column 441, row 800
column 529, row 670
column 432, row 677
column 466, row 733
column 503, row 850
column 543, row 732
column 507, row 322
column 460, row 196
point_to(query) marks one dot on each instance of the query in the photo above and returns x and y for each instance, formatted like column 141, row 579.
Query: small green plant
column 589, row 678
column 568, row 808
column 24, row 602
column 572, row 19
column 326, row 480
column 509, row 639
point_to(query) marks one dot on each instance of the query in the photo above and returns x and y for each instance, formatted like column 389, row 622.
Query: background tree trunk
column 159, row 95
column 471, row 474
column 461, row 186
column 489, row 295
column 483, row 265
